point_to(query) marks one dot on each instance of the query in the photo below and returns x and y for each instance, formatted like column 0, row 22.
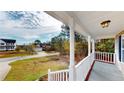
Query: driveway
column 4, row 62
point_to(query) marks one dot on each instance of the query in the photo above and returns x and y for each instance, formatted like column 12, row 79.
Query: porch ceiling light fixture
column 105, row 23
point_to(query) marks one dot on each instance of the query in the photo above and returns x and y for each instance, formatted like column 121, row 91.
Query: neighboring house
column 38, row 47
column 7, row 44
column 46, row 46
column 43, row 47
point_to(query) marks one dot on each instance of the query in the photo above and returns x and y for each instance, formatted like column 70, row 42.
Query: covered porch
column 97, row 65
column 105, row 72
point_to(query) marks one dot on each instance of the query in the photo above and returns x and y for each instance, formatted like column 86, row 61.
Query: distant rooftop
column 8, row 40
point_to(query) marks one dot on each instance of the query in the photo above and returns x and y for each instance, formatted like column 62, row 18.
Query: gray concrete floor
column 105, row 72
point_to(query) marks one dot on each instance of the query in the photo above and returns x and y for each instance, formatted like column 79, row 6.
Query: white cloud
column 14, row 28
column 28, row 37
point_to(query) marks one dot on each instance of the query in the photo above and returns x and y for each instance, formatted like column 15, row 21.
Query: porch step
column 105, row 72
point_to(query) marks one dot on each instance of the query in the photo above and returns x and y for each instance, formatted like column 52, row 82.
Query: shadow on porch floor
column 105, row 72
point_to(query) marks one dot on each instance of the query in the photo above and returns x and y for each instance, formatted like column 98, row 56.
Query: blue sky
column 27, row 26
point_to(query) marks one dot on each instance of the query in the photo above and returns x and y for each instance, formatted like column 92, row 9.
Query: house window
column 2, row 43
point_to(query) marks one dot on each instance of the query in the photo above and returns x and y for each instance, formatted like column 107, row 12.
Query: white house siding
column 2, row 42
column 7, row 46
column 2, row 46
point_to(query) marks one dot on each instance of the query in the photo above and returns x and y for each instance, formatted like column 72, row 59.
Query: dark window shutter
column 119, row 48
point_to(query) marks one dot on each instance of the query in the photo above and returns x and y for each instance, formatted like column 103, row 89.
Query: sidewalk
column 4, row 69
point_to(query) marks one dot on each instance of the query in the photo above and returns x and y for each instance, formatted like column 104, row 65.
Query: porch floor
column 105, row 72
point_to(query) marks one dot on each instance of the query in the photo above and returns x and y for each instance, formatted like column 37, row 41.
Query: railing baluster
column 63, row 76
column 94, row 55
column 56, row 77
column 98, row 56
column 110, row 58
column 107, row 57
column 60, row 77
column 66, row 76
column 53, row 77
column 49, row 75
column 114, row 59
column 102, row 56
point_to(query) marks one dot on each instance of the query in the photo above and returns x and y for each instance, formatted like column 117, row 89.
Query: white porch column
column 89, row 45
column 72, row 74
column 117, row 53
column 117, row 49
column 93, row 46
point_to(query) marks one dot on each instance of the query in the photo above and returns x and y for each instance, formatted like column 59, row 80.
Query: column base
column 72, row 73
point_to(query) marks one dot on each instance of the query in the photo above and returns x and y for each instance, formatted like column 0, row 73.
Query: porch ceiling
column 90, row 22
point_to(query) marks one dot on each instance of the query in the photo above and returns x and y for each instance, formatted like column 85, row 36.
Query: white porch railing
column 83, row 67
column 105, row 57
column 61, row 75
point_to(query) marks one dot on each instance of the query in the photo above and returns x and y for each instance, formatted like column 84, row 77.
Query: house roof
column 88, row 22
column 8, row 40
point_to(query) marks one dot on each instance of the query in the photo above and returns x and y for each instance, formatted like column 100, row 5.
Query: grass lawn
column 8, row 54
column 13, row 55
column 34, row 68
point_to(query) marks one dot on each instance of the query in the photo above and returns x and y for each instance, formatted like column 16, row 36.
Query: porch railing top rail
column 104, row 52
column 83, row 60
column 83, row 67
column 59, row 71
